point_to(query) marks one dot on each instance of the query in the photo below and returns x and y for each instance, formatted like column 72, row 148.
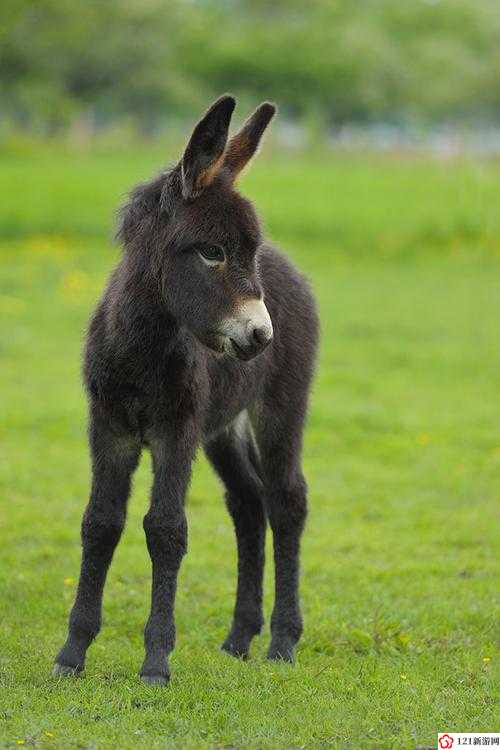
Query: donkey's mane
column 146, row 202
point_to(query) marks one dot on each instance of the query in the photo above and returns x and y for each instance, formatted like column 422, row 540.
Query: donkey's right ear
column 203, row 155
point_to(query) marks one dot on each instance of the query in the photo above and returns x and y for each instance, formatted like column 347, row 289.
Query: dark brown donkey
column 206, row 334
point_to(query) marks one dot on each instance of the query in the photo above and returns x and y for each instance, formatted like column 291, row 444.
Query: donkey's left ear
column 245, row 143
column 203, row 155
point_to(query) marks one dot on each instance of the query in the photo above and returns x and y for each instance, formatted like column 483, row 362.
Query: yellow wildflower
column 74, row 282
column 48, row 245
column 423, row 438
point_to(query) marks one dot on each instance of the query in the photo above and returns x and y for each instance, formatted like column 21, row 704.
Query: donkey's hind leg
column 279, row 438
column 232, row 455
column 114, row 458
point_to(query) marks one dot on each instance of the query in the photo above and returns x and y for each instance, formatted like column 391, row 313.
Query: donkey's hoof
column 65, row 670
column 155, row 679
column 282, row 651
column 238, row 650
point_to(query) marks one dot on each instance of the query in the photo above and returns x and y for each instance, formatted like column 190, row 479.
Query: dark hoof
column 155, row 679
column 282, row 652
column 237, row 650
column 64, row 670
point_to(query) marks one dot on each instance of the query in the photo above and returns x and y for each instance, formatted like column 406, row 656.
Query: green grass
column 400, row 556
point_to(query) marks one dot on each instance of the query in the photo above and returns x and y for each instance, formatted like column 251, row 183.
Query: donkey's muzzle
column 258, row 339
column 249, row 331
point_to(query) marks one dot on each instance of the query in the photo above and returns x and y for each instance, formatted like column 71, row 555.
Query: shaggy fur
column 161, row 373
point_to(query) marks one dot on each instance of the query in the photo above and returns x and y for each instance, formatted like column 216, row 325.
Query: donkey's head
column 210, row 265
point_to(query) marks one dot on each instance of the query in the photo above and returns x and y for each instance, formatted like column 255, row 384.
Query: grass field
column 400, row 557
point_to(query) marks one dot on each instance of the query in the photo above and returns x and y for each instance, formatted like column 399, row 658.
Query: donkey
column 206, row 334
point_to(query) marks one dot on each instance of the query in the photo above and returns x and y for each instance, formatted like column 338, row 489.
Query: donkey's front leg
column 114, row 457
column 166, row 536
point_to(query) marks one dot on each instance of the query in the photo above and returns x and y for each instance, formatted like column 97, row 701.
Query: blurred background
column 392, row 73
column 380, row 177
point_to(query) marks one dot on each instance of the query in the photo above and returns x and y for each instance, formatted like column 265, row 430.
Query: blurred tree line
column 326, row 61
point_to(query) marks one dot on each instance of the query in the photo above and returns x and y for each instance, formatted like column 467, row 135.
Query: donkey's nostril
column 261, row 336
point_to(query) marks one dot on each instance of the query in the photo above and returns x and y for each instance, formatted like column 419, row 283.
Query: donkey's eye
column 212, row 255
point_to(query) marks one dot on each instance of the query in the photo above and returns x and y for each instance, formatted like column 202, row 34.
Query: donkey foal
column 204, row 334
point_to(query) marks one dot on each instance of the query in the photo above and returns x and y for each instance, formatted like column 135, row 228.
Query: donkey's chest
column 233, row 388
column 207, row 392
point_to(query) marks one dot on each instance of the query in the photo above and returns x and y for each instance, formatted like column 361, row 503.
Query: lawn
column 400, row 556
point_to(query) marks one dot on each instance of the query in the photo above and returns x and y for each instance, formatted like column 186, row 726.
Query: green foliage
column 334, row 61
column 400, row 564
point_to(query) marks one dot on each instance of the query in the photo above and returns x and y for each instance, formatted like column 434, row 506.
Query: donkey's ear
column 203, row 155
column 245, row 143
